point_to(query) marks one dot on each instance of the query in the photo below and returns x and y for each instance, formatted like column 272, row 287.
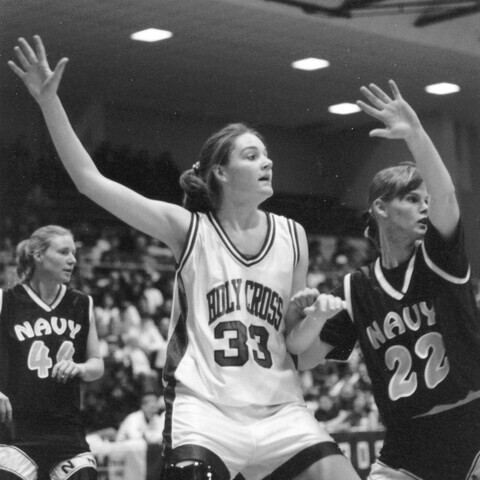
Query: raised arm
column 165, row 221
column 401, row 122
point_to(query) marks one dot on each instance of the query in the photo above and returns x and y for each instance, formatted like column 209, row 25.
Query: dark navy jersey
column 34, row 336
column 417, row 325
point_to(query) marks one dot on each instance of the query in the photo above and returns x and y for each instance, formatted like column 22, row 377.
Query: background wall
column 326, row 174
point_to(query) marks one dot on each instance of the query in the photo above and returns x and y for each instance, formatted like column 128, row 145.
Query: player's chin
column 66, row 277
column 267, row 190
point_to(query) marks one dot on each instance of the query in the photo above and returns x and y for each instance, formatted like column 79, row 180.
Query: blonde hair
column 38, row 242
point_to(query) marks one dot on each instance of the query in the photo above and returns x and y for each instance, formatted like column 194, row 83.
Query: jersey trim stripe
column 190, row 241
column 239, row 256
column 48, row 308
column 442, row 273
column 178, row 343
column 394, row 293
column 347, row 286
column 91, row 315
column 292, row 226
column 1, row 299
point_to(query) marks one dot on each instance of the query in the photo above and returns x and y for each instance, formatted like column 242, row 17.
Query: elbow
column 293, row 347
column 94, row 370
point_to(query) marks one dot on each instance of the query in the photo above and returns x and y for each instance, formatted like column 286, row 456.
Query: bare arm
column 401, row 122
column 90, row 370
column 308, row 311
column 165, row 221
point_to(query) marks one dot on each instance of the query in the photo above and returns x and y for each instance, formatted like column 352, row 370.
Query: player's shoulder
column 288, row 222
column 75, row 295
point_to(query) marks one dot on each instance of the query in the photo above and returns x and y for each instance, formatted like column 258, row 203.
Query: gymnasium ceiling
column 230, row 59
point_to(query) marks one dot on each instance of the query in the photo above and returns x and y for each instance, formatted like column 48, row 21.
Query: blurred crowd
column 130, row 277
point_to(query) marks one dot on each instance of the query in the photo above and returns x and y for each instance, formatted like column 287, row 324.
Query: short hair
column 394, row 182
column 38, row 242
column 387, row 184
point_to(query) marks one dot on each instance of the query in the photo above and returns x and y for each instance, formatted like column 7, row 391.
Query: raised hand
column 40, row 80
column 398, row 116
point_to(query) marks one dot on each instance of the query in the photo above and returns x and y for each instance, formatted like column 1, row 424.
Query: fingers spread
column 380, row 93
column 42, row 55
column 28, row 50
column 18, row 71
column 372, row 97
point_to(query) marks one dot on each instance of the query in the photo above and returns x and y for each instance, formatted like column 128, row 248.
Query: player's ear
column 219, row 173
column 379, row 208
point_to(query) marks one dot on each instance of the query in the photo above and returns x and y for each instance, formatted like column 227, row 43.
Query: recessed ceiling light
column 443, row 88
column 344, row 108
column 151, row 35
column 310, row 64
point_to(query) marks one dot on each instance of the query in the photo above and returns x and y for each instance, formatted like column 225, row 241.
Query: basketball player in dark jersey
column 48, row 345
column 412, row 311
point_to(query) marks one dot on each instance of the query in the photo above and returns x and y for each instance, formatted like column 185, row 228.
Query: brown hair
column 201, row 190
column 387, row 184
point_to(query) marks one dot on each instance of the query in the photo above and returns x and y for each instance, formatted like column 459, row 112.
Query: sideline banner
column 361, row 447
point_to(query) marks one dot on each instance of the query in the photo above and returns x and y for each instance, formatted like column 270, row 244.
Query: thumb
column 58, row 72
column 309, row 310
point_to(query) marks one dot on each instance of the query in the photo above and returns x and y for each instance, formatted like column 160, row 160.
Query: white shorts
column 380, row 471
column 253, row 442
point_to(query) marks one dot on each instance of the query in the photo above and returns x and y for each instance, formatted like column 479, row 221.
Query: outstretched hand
column 398, row 116
column 40, row 80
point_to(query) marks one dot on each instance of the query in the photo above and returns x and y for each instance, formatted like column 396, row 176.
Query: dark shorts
column 443, row 446
column 49, row 443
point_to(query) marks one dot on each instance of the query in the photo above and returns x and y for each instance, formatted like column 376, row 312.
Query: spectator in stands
column 153, row 297
column 327, row 408
column 138, row 363
column 146, row 423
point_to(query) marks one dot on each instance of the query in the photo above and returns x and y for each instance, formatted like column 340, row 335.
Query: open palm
column 40, row 80
column 397, row 115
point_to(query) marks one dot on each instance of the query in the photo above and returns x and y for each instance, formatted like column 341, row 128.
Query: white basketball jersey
column 226, row 341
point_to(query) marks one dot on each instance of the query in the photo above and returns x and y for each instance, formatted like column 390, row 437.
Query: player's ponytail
column 196, row 197
column 25, row 263
column 38, row 242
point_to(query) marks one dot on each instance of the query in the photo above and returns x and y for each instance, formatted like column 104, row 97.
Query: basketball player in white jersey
column 412, row 311
column 233, row 401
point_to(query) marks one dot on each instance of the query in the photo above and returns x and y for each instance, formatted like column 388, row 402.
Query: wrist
column 48, row 103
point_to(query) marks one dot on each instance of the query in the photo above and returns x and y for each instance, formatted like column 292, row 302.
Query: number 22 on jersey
column 398, row 358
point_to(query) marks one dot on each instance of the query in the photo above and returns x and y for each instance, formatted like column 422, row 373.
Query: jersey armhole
column 347, row 288
column 441, row 273
column 91, row 315
column 292, row 228
column 189, row 241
